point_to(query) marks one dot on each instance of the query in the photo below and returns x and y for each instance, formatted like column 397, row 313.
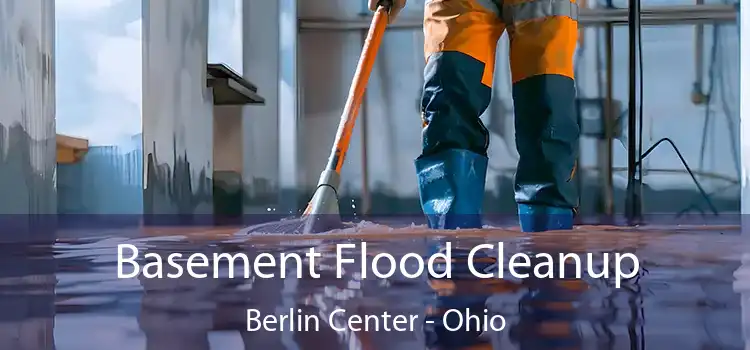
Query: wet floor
column 686, row 294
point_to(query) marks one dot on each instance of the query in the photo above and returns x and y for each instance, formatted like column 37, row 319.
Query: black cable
column 687, row 168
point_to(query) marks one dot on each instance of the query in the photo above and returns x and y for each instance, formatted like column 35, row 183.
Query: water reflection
column 742, row 287
column 685, row 300
column 548, row 311
column 537, row 312
column 27, row 297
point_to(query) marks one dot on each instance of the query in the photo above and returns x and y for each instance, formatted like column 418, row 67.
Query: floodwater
column 686, row 295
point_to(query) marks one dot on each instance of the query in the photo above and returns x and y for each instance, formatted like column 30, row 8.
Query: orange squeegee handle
column 357, row 89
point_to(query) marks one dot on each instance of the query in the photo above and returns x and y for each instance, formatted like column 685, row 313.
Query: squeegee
column 322, row 212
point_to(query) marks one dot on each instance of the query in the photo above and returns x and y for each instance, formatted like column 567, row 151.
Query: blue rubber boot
column 537, row 218
column 547, row 137
column 451, row 188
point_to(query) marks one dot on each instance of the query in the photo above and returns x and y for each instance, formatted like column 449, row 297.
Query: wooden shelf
column 70, row 149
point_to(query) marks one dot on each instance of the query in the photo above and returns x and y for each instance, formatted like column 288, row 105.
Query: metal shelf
column 657, row 15
column 230, row 88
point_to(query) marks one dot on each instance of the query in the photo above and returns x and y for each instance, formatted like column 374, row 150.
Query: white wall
column 27, row 166
column 177, row 108
column 742, row 284
column 260, row 123
column 27, row 115
column 744, row 24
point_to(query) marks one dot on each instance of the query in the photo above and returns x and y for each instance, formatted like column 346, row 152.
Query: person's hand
column 395, row 7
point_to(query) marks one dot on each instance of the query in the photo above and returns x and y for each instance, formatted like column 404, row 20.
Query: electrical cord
column 640, row 113
column 638, row 30
column 642, row 155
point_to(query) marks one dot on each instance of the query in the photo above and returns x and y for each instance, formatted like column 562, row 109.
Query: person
column 460, row 43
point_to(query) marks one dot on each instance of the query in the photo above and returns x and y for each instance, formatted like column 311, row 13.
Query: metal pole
column 366, row 199
column 699, row 35
column 609, row 117
column 632, row 205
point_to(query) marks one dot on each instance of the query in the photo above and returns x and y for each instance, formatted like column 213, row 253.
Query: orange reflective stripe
column 573, row 171
column 465, row 26
column 554, row 328
column 515, row 11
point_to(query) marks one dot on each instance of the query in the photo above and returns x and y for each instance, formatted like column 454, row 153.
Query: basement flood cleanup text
column 131, row 263
column 351, row 259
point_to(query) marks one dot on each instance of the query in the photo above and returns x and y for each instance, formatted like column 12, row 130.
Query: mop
column 322, row 212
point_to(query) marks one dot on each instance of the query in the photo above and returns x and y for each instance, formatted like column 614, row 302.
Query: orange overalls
column 460, row 43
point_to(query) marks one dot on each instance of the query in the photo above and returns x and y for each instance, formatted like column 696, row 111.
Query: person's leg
column 543, row 37
column 460, row 41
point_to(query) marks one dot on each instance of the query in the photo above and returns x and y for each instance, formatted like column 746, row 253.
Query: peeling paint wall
column 27, row 169
column 27, row 112
column 177, row 108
